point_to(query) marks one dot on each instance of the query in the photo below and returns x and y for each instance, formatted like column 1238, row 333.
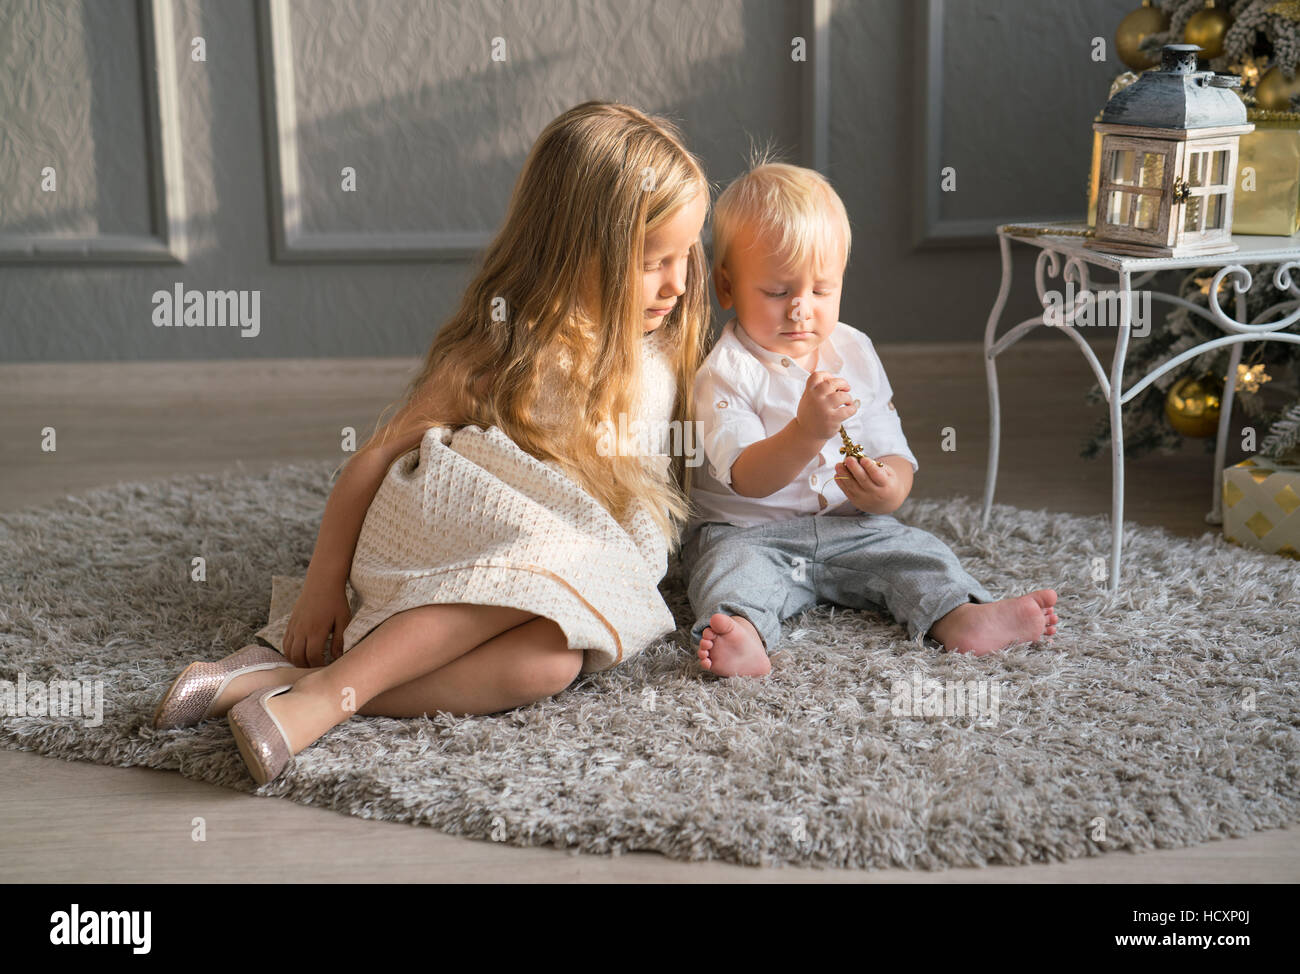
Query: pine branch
column 1284, row 436
column 1146, row 428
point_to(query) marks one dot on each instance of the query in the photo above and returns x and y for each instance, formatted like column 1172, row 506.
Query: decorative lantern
column 1169, row 161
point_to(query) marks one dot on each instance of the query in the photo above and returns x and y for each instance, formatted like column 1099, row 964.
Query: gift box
column 1272, row 153
column 1261, row 505
column 1267, row 200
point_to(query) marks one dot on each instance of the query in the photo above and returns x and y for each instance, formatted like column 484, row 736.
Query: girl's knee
column 548, row 666
column 544, row 677
column 568, row 669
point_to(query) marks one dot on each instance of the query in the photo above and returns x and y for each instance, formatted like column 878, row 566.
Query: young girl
column 495, row 547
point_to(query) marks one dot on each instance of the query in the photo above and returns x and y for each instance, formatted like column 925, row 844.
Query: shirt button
column 813, row 480
column 785, row 362
column 722, row 404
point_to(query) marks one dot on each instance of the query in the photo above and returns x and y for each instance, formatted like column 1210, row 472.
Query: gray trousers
column 772, row 571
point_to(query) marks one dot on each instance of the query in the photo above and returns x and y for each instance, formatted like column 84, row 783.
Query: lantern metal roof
column 1177, row 96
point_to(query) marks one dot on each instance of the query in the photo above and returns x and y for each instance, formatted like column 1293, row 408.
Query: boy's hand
column 824, row 405
column 872, row 489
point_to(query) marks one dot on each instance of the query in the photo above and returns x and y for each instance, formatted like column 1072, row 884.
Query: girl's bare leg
column 405, row 647
column 241, row 686
column 526, row 663
column 530, row 662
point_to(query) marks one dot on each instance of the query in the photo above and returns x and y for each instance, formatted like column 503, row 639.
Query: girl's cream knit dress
column 470, row 517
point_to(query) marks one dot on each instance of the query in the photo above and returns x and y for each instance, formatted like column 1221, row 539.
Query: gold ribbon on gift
column 1268, row 176
column 1261, row 505
column 1094, row 175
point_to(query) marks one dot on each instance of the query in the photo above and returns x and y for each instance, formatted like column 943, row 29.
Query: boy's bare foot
column 985, row 627
column 731, row 646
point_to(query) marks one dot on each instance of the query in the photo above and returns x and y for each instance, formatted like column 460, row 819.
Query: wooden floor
column 76, row 822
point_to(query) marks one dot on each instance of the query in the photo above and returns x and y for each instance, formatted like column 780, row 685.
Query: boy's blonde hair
column 563, row 280
column 795, row 208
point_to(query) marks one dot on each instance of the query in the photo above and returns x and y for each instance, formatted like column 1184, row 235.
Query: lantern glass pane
column 1117, row 209
column 1192, row 215
column 1153, row 170
column 1214, row 209
column 1219, row 169
column 1196, row 169
column 1147, row 214
column 1121, row 167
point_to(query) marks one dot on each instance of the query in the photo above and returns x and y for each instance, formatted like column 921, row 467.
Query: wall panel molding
column 816, row 121
column 288, row 241
column 290, row 244
column 930, row 228
column 167, row 243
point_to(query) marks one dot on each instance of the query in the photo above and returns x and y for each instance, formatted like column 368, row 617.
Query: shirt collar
column 830, row 359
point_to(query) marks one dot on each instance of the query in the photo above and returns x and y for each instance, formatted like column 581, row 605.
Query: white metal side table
column 1062, row 255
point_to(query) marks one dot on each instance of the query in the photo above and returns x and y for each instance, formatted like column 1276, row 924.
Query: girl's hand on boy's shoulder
column 873, row 489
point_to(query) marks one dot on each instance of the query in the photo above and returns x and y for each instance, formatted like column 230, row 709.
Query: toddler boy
column 780, row 522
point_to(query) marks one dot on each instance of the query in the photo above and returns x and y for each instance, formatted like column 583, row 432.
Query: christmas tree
column 1267, row 391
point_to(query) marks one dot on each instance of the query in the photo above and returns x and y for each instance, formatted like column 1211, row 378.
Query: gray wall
column 170, row 170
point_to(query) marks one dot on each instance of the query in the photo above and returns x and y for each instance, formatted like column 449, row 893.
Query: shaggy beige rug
column 1162, row 717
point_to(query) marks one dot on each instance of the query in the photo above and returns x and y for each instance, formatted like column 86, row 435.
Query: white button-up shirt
column 745, row 393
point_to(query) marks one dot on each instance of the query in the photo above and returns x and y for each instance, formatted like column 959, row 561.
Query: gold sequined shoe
column 191, row 695
column 262, row 742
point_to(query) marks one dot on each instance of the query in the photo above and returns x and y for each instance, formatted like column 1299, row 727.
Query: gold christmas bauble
column 1137, row 25
column 1208, row 28
column 1120, row 83
column 1273, row 93
column 1192, row 406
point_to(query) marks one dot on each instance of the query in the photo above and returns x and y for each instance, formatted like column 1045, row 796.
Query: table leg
column 1117, row 429
column 1225, row 415
column 991, row 373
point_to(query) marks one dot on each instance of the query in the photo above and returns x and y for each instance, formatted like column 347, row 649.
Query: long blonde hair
column 598, row 179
